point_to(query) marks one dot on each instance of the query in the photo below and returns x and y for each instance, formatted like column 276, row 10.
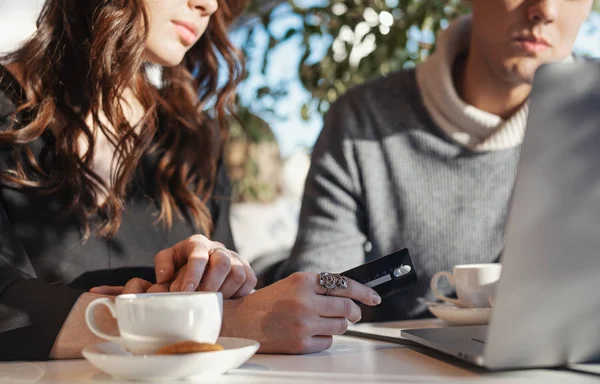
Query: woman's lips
column 186, row 31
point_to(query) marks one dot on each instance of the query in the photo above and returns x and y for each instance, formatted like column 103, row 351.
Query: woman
column 101, row 172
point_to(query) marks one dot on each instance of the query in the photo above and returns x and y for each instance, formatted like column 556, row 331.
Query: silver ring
column 214, row 250
column 332, row 281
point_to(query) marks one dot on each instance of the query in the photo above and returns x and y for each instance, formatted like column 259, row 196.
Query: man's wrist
column 230, row 326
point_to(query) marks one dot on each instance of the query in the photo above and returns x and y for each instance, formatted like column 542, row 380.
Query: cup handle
column 438, row 293
column 90, row 319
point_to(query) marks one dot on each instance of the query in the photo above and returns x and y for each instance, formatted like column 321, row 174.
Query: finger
column 137, row 286
column 164, row 265
column 236, row 277
column 217, row 270
column 159, row 288
column 331, row 326
column 318, row 344
column 355, row 291
column 197, row 261
column 250, row 282
column 322, row 343
column 340, row 307
column 107, row 290
column 176, row 285
column 168, row 261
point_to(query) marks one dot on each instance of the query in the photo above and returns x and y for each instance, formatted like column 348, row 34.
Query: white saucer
column 114, row 360
column 454, row 315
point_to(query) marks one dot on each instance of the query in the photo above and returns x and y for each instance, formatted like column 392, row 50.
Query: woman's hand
column 200, row 264
column 294, row 315
column 135, row 285
column 194, row 264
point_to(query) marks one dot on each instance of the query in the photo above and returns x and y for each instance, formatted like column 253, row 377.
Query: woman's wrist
column 75, row 334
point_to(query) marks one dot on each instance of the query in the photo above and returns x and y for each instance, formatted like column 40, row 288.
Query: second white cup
column 474, row 283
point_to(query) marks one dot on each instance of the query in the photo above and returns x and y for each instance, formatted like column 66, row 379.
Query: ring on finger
column 332, row 281
column 214, row 250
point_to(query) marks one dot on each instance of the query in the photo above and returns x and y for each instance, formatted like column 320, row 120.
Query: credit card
column 387, row 275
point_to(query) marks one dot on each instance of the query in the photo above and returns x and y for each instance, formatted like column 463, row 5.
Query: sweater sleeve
column 332, row 229
column 32, row 311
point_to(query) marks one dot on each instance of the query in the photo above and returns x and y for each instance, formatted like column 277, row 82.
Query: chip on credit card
column 387, row 275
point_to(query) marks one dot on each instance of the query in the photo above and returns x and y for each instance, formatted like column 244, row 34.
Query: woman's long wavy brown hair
column 83, row 54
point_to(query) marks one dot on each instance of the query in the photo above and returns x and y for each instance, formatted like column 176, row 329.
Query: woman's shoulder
column 385, row 106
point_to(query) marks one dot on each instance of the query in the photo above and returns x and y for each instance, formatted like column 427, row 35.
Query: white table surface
column 350, row 360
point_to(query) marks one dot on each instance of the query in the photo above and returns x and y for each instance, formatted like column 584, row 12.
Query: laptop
column 547, row 306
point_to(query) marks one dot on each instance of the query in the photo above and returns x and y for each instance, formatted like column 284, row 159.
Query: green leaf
column 305, row 112
column 289, row 34
column 262, row 91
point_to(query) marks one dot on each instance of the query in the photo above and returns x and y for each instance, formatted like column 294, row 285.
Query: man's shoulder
column 386, row 105
column 585, row 59
column 391, row 87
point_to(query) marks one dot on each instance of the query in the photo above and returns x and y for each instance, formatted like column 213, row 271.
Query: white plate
column 114, row 360
column 454, row 315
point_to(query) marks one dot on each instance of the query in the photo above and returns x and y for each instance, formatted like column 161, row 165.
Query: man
column 426, row 159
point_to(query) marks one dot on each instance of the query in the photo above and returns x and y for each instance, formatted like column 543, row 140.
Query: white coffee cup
column 474, row 283
column 149, row 321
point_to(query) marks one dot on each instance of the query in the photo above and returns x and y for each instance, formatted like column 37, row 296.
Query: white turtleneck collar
column 471, row 127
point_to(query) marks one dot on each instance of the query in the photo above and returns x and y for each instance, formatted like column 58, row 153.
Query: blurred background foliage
column 253, row 159
column 341, row 44
column 365, row 38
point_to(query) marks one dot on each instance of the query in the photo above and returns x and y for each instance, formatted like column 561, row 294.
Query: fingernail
column 376, row 298
column 357, row 320
column 190, row 287
column 159, row 275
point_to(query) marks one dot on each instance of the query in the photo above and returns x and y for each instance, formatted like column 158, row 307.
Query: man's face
column 515, row 37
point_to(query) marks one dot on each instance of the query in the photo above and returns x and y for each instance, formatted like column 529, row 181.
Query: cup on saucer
column 149, row 321
column 474, row 284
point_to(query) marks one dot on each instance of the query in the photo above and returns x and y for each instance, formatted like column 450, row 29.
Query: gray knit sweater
column 384, row 177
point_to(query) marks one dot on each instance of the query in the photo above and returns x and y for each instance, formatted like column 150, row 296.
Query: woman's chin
column 167, row 59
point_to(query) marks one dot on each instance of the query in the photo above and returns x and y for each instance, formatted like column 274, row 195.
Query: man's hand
column 296, row 315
